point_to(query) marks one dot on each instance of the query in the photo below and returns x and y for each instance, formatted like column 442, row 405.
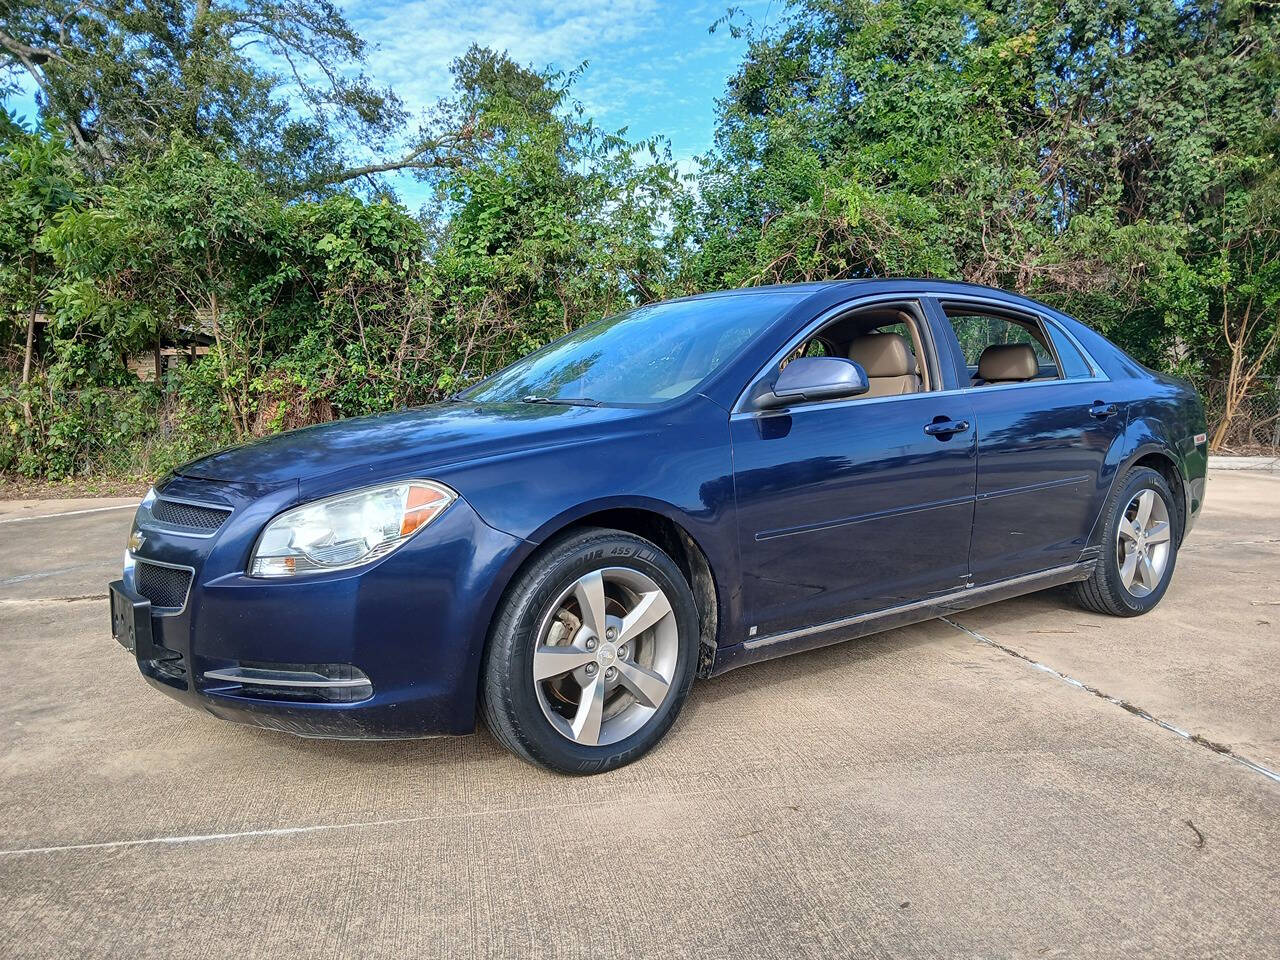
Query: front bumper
column 411, row 625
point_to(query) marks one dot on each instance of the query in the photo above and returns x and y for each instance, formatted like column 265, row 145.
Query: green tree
column 189, row 240
column 276, row 84
column 1111, row 158
column 552, row 222
column 37, row 182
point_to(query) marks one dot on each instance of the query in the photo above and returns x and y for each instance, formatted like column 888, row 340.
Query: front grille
column 188, row 515
column 163, row 586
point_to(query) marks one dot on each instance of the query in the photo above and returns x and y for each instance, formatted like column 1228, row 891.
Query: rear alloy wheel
column 592, row 653
column 1139, row 548
column 1144, row 544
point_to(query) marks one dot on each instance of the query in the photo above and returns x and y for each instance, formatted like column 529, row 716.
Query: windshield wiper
column 572, row 401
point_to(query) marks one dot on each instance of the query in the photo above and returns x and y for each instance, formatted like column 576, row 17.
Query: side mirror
column 815, row 378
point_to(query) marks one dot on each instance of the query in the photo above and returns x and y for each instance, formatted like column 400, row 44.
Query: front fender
column 675, row 463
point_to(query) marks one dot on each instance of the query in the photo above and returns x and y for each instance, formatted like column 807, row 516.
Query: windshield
column 646, row 355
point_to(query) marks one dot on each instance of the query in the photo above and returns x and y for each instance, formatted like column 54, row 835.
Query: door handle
column 1101, row 411
column 945, row 428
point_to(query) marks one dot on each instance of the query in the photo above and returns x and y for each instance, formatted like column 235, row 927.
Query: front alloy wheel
column 606, row 655
column 592, row 653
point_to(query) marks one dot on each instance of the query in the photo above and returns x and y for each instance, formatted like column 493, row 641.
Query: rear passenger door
column 1042, row 439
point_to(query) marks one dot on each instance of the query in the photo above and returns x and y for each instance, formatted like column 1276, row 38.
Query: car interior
column 1002, row 348
column 887, row 341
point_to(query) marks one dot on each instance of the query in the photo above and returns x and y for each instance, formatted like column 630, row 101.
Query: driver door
column 847, row 507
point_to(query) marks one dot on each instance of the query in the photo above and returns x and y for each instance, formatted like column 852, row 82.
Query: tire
column 1106, row 590
column 563, row 721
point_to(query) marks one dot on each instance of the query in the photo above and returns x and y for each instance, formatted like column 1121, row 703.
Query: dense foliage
column 1117, row 160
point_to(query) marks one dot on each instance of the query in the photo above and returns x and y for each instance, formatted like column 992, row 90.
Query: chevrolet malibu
column 681, row 490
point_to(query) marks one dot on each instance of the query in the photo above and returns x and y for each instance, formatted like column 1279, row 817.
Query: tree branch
column 29, row 55
column 32, row 59
column 425, row 156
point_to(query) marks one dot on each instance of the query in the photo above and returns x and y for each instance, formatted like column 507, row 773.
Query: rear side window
column 1074, row 365
column 976, row 332
column 992, row 335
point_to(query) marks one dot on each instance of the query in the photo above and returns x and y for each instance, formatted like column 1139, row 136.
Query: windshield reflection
column 650, row 354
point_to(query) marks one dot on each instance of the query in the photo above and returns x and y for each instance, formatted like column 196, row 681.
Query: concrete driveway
column 1028, row 780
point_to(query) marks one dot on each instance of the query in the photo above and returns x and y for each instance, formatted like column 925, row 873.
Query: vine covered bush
column 1117, row 161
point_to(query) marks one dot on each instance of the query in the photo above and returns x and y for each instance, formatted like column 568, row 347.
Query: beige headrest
column 1001, row 362
column 883, row 355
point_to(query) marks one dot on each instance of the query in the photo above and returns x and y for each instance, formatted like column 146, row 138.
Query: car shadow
column 836, row 658
column 1069, row 618
column 839, row 656
column 384, row 754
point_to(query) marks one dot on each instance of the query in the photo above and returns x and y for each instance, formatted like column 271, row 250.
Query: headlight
column 347, row 530
column 135, row 535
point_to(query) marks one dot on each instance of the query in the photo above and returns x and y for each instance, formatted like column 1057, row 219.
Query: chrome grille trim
column 334, row 683
column 273, row 678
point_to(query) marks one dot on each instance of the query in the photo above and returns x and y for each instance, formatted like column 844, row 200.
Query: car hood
column 375, row 448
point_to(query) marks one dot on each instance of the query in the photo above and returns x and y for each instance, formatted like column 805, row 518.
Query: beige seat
column 890, row 365
column 1008, row 363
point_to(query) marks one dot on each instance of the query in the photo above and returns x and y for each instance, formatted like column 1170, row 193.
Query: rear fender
column 1143, row 435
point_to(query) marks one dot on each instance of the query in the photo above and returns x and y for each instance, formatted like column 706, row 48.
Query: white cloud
column 414, row 42
column 653, row 67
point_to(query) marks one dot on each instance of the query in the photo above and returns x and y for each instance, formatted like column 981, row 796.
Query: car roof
column 873, row 285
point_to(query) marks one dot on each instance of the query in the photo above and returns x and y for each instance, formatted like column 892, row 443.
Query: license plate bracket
column 131, row 621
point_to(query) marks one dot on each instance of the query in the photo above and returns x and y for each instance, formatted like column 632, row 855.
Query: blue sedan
column 680, row 490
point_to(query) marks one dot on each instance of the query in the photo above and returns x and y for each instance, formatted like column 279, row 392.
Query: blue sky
column 653, row 67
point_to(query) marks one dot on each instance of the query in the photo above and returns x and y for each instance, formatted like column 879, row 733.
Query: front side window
column 885, row 340
column 647, row 355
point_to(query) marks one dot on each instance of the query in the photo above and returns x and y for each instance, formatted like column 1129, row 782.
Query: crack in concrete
column 1198, row 833
column 1202, row 741
column 1219, row 544
column 674, row 797
column 18, row 601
